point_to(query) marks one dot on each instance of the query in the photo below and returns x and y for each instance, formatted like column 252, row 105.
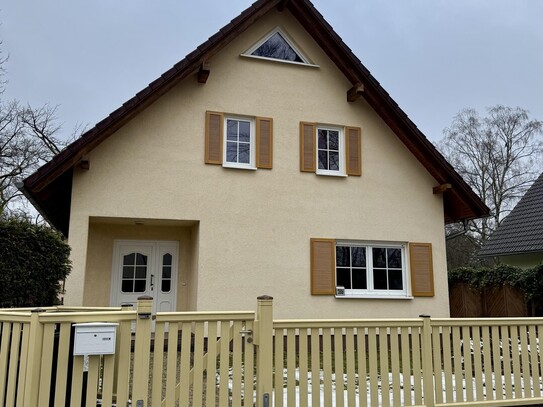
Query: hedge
column 34, row 260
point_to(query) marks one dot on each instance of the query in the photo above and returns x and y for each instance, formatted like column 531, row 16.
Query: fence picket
column 92, row 379
column 525, row 362
column 467, row 354
column 77, row 381
column 303, row 371
column 406, row 366
column 236, row 364
column 315, row 368
column 291, row 367
column 457, row 364
column 362, row 367
column 372, row 361
column 211, row 366
column 477, row 364
column 338, row 366
column 279, row 365
column 327, row 365
column 61, row 378
column 535, row 366
column 158, row 364
column 383, row 366
column 350, row 366
column 107, row 380
column 198, row 369
column 22, row 365
column 438, row 367
column 395, row 364
column 4, row 352
column 515, row 356
column 417, row 354
column 504, row 333
column 12, row 369
column 497, row 363
column 46, row 364
column 224, row 363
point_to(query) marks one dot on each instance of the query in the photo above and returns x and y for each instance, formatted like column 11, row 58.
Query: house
column 267, row 161
column 518, row 240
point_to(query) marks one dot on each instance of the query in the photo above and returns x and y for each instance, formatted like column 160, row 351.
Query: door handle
column 152, row 281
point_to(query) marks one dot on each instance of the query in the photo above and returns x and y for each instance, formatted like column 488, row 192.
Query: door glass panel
column 166, row 286
column 139, row 286
column 134, row 277
column 166, row 277
column 128, row 272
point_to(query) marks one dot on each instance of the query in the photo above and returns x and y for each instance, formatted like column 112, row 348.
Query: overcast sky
column 434, row 57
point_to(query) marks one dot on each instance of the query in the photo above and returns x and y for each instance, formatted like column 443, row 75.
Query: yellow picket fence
column 248, row 358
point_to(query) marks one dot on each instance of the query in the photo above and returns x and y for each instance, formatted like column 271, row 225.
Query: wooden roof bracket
column 441, row 188
column 355, row 92
column 203, row 73
column 84, row 163
column 282, row 5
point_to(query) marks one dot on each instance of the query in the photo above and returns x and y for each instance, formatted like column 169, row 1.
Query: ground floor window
column 370, row 268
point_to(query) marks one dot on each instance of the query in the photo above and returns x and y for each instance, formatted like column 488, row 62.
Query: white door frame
column 157, row 248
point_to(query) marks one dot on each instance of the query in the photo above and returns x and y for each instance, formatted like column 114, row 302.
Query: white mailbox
column 95, row 338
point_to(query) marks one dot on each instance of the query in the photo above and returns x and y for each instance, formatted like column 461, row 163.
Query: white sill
column 281, row 61
column 239, row 167
column 332, row 174
column 375, row 297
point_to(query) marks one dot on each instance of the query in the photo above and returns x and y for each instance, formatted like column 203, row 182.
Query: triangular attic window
column 277, row 45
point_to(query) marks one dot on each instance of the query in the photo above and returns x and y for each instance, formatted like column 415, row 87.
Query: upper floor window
column 239, row 141
column 279, row 47
column 330, row 151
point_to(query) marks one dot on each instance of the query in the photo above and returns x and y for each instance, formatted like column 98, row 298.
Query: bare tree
column 498, row 155
column 28, row 138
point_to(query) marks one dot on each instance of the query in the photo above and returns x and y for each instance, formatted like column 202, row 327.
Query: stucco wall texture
column 251, row 229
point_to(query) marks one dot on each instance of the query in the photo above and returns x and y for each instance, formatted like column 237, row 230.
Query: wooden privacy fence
column 248, row 358
column 500, row 301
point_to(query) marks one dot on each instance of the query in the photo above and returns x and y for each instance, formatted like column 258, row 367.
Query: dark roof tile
column 522, row 230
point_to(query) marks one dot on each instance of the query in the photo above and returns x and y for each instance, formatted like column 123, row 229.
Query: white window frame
column 288, row 39
column 341, row 171
column 370, row 292
column 252, row 143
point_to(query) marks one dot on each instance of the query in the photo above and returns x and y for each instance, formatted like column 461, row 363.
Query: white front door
column 145, row 268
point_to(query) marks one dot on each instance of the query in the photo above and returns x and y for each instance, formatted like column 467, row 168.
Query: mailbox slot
column 95, row 338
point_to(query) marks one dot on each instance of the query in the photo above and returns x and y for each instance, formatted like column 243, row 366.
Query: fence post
column 264, row 345
column 427, row 366
column 33, row 368
column 142, row 349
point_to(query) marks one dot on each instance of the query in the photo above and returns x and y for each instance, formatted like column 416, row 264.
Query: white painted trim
column 342, row 154
column 252, row 143
column 289, row 40
column 379, row 294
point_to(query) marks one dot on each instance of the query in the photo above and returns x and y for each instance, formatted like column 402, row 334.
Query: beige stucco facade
column 243, row 233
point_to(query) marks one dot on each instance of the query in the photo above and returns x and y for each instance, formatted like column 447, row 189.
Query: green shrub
column 34, row 260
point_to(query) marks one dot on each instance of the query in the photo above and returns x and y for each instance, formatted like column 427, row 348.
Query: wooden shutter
column 422, row 274
column 307, row 146
column 264, row 142
column 214, row 135
column 353, row 141
column 323, row 280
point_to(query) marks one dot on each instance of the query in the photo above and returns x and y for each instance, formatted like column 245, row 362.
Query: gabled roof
column 49, row 188
column 521, row 231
